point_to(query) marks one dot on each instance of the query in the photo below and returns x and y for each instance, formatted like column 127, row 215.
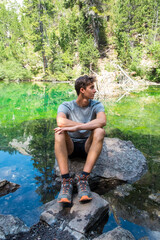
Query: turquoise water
column 27, row 120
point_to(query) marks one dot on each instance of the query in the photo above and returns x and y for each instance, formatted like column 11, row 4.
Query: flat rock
column 116, row 234
column 10, row 225
column 118, row 160
column 7, row 187
column 79, row 218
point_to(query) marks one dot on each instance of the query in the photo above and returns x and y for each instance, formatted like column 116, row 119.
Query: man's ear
column 82, row 90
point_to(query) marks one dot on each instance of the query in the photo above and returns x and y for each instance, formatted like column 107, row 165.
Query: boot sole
column 85, row 198
column 64, row 200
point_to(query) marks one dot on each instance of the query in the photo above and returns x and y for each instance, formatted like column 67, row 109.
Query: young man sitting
column 79, row 133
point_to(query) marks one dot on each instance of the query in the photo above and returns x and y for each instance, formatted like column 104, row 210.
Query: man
column 79, row 133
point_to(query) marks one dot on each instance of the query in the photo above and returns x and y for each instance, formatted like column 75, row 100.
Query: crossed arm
column 65, row 124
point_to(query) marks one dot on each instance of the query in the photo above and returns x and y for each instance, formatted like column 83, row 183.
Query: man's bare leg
column 63, row 148
column 93, row 146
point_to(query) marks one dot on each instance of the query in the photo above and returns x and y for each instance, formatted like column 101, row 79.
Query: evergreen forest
column 62, row 39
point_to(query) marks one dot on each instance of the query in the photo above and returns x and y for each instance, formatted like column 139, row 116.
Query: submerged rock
column 78, row 219
column 116, row 234
column 10, row 225
column 123, row 190
column 118, row 160
column 22, row 147
column 7, row 187
column 155, row 197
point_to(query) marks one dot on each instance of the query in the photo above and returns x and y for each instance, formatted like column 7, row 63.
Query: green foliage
column 154, row 50
column 53, row 38
column 11, row 44
column 135, row 29
column 12, row 70
column 154, row 72
column 88, row 53
column 69, row 3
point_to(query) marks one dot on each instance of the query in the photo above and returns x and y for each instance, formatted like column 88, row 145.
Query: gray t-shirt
column 80, row 114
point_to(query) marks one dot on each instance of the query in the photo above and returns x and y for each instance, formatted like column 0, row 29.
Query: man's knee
column 60, row 137
column 99, row 134
column 63, row 139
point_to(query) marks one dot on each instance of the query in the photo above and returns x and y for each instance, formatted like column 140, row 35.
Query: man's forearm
column 69, row 125
column 64, row 122
column 96, row 123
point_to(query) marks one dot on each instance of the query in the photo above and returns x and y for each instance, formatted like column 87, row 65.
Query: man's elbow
column 60, row 122
column 103, row 123
column 104, row 120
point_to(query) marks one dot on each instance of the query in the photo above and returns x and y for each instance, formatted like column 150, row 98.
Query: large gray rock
column 118, row 160
column 154, row 235
column 10, row 225
column 80, row 218
column 116, row 234
column 7, row 187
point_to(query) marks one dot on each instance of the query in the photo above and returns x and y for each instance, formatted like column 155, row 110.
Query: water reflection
column 27, row 144
column 34, row 172
column 41, row 148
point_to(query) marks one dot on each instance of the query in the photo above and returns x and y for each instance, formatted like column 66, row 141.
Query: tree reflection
column 42, row 150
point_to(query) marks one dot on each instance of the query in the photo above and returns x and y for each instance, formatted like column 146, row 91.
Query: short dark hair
column 83, row 82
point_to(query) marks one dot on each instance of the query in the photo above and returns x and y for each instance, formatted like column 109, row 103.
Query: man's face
column 90, row 91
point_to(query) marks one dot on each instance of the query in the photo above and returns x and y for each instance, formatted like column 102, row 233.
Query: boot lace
column 83, row 182
column 66, row 184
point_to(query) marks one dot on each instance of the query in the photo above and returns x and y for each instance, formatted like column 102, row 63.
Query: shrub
column 12, row 70
column 88, row 53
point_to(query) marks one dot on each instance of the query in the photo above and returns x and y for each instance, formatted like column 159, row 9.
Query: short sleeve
column 63, row 108
column 99, row 107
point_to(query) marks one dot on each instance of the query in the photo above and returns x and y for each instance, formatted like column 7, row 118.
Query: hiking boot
column 65, row 195
column 84, row 192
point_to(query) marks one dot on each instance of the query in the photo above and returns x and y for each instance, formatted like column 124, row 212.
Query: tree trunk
column 156, row 24
column 44, row 58
column 95, row 25
column 95, row 29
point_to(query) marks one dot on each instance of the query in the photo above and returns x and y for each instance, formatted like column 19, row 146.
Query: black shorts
column 79, row 150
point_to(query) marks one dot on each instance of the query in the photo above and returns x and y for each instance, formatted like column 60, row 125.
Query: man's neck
column 82, row 102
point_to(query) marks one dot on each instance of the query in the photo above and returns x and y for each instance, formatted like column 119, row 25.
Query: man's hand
column 65, row 129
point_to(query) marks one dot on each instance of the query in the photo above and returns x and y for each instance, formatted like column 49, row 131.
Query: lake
column 27, row 119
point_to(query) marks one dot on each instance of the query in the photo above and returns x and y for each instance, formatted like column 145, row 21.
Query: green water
column 29, row 101
column 139, row 113
column 137, row 118
column 28, row 113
